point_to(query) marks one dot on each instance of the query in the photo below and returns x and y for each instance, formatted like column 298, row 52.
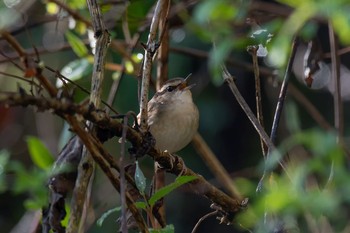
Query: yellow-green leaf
column 39, row 154
column 167, row 189
column 77, row 44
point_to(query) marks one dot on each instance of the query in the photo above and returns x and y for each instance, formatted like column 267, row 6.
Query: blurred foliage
column 317, row 187
column 33, row 180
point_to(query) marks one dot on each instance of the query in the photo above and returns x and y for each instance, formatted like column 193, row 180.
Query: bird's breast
column 174, row 127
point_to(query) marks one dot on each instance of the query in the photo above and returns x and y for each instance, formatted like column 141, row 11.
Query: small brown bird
column 172, row 116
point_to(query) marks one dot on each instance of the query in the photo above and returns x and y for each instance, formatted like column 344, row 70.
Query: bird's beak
column 184, row 85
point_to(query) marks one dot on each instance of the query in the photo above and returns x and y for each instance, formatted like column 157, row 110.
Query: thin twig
column 279, row 108
column 338, row 105
column 150, row 50
column 262, row 133
column 283, row 92
column 215, row 166
column 27, row 62
column 202, row 219
column 231, row 83
column 20, row 78
column 258, row 100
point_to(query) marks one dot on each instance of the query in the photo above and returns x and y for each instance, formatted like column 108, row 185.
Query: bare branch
column 30, row 68
column 150, row 50
column 231, row 83
column 99, row 154
column 283, row 92
column 202, row 219
column 258, row 100
column 338, row 105
column 163, row 52
column 172, row 163
column 82, row 190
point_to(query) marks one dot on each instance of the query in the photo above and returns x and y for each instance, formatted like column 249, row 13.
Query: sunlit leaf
column 107, row 214
column 170, row 187
column 39, row 153
column 77, row 44
column 140, row 179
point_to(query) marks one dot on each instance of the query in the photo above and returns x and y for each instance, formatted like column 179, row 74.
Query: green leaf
column 75, row 70
column 170, row 187
column 141, row 205
column 168, row 229
column 77, row 44
column 39, row 154
column 106, row 214
column 140, row 179
column 64, row 222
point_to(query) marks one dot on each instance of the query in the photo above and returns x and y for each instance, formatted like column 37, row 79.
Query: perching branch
column 172, row 163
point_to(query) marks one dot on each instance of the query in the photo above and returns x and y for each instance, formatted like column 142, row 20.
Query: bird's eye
column 170, row 88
